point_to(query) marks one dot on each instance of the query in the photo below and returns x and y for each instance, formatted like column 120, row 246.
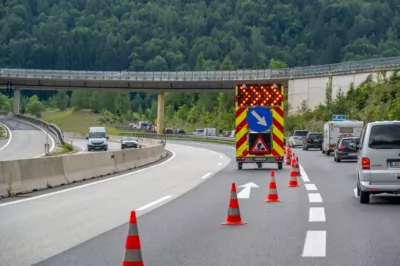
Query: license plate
column 395, row 164
column 352, row 154
column 259, row 159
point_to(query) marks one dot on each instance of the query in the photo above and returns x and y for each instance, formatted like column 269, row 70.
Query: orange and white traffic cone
column 272, row 191
column 288, row 157
column 293, row 158
column 233, row 217
column 297, row 167
column 293, row 177
column 133, row 253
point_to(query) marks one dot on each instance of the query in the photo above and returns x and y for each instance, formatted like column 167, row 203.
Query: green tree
column 34, row 106
column 62, row 100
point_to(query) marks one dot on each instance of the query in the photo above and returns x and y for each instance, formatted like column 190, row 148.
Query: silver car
column 378, row 159
column 296, row 138
column 129, row 142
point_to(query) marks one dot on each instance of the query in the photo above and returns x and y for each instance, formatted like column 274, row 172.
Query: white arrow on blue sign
column 259, row 119
column 338, row 117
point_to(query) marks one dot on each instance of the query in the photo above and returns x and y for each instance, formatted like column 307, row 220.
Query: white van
column 97, row 139
column 333, row 130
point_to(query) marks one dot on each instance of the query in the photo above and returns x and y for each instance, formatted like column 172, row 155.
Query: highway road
column 26, row 140
column 319, row 223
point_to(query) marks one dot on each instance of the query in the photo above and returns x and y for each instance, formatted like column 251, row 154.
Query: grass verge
column 3, row 132
column 76, row 121
column 66, row 148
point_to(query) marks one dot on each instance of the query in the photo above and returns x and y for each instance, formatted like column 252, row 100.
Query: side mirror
column 87, row 137
column 107, row 137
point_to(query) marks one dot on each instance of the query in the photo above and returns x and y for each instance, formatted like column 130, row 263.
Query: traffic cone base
column 293, row 180
column 233, row 217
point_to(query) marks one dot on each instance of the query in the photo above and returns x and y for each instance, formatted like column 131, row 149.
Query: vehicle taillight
column 365, row 163
column 342, row 147
column 308, row 139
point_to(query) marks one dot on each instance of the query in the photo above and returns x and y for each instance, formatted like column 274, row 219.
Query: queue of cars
column 375, row 146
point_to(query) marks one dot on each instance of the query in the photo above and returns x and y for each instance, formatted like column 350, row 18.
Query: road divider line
column 206, row 176
column 9, row 134
column 317, row 214
column 303, row 173
column 151, row 204
column 310, row 186
column 315, row 244
column 91, row 184
column 314, row 197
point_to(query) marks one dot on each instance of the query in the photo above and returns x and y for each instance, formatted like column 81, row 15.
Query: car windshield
column 129, row 139
column 385, row 137
column 346, row 142
column 315, row 136
column 97, row 135
column 301, row 133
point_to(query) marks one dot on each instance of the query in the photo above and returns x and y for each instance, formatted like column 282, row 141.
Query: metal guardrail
column 50, row 127
column 297, row 72
column 178, row 136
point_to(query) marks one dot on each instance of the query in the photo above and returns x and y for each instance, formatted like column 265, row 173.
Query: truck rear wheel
column 280, row 166
column 240, row 166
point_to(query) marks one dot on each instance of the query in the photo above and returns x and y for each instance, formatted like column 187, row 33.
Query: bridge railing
column 237, row 75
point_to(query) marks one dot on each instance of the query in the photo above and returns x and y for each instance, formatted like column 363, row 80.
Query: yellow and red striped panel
column 242, row 145
column 241, row 131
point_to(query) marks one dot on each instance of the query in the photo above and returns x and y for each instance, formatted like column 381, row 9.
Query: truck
column 259, row 131
column 333, row 130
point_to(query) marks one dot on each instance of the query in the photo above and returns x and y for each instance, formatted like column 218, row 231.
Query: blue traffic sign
column 338, row 117
column 259, row 119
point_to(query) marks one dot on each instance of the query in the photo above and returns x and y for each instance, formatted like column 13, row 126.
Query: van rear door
column 384, row 154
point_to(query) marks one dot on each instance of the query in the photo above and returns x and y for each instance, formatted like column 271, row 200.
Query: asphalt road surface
column 319, row 223
column 34, row 229
column 27, row 141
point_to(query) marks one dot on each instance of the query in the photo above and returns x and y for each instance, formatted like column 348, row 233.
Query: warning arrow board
column 260, row 147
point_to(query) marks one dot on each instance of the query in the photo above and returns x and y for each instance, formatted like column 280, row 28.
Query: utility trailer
column 259, row 124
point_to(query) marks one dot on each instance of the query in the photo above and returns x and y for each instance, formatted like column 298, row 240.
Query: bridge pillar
column 16, row 100
column 160, row 113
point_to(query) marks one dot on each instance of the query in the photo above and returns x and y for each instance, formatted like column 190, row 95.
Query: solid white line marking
column 206, row 176
column 314, row 197
column 310, row 186
column 9, row 137
column 303, row 173
column 355, row 193
column 220, row 164
column 90, row 184
column 154, row 203
column 53, row 144
column 315, row 244
column 317, row 214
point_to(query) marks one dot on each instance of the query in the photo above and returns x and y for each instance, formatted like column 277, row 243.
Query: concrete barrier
column 21, row 176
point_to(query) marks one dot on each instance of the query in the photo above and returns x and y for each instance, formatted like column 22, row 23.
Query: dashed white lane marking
column 314, row 197
column 220, row 163
column 317, row 214
column 355, row 193
column 151, row 204
column 310, row 186
column 304, row 175
column 315, row 244
column 206, row 176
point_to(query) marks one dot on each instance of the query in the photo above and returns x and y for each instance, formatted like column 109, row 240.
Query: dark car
column 129, row 142
column 313, row 140
column 346, row 149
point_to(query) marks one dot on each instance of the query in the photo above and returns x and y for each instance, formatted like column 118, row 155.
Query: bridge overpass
column 302, row 82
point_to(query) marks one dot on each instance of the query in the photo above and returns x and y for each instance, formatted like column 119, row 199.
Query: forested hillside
column 192, row 35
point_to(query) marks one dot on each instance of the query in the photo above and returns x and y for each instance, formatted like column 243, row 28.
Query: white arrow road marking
column 245, row 193
column 261, row 120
